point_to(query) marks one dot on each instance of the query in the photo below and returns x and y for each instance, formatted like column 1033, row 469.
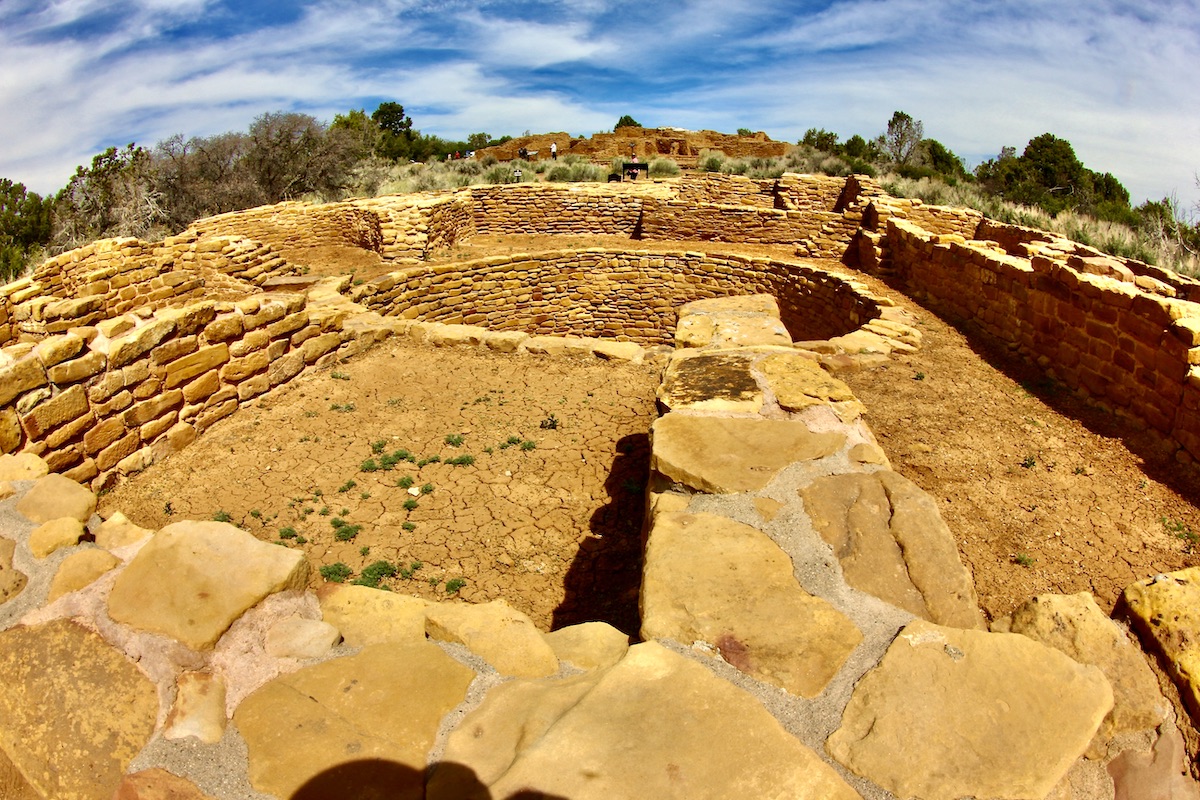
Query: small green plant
column 222, row 516
column 528, row 445
column 1023, row 559
column 344, row 408
column 301, row 540
column 370, row 465
column 365, row 496
column 410, row 504
column 454, row 585
column 427, row 489
column 465, row 460
column 1079, row 471
column 364, row 551
column 920, row 376
column 378, row 446
column 411, row 570
column 404, row 481
column 287, row 533
column 454, row 439
column 347, row 486
column 339, row 376
column 374, row 573
column 167, row 509
column 1028, row 462
column 336, row 573
column 256, row 513
column 311, row 414
column 409, row 526
column 324, row 512
column 550, row 423
column 487, row 450
column 343, row 531
column 1181, row 530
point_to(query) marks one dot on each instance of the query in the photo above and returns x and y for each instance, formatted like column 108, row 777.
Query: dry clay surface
column 1042, row 493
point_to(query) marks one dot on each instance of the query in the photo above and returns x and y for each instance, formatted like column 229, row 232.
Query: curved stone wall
column 627, row 296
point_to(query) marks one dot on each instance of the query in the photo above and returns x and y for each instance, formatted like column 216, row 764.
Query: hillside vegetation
column 153, row 192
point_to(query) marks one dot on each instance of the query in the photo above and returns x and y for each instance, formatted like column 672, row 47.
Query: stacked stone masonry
column 807, row 627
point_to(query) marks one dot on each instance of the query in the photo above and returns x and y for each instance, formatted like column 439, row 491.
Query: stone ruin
column 682, row 146
column 807, row 628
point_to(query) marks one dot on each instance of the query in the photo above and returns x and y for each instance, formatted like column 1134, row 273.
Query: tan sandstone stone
column 1077, row 626
column 54, row 535
column 497, row 633
column 118, row 531
column 950, row 713
column 1165, row 611
column 80, row 569
column 54, row 497
column 12, row 581
column 589, row 645
column 74, row 711
column 800, row 382
column 193, row 579
column 654, row 725
column 158, row 784
column 892, row 543
column 358, row 726
column 372, row 616
column 711, row 382
column 721, row 455
column 22, row 467
column 710, row 579
column 296, row 637
column 199, row 708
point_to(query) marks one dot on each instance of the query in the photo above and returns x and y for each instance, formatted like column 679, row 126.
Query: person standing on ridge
column 554, row 151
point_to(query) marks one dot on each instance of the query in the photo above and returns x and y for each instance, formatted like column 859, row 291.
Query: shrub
column 336, row 573
column 287, row 533
column 663, row 168
column 454, row 584
column 374, row 573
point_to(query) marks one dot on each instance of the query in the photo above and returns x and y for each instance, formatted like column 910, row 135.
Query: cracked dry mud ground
column 550, row 519
column 1042, row 493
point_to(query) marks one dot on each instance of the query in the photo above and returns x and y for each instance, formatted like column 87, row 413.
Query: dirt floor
column 1042, row 492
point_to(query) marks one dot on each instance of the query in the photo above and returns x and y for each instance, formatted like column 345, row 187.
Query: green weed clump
column 343, row 531
column 374, row 573
column 336, row 573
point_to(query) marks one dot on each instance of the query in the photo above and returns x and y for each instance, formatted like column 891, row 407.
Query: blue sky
column 1118, row 80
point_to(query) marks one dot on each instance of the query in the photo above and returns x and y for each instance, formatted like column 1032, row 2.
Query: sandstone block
column 711, row 382
column 589, row 645
column 74, row 712
column 1165, row 611
column 22, row 467
column 58, row 410
column 372, row 616
column 181, row 583
column 723, row 455
column 973, row 713
column 654, row 725
column 708, row 578
column 80, row 569
column 54, row 535
column 12, row 580
column 295, row 637
column 158, row 784
column 199, row 708
column 131, row 346
column 55, row 497
column 892, row 543
column 800, row 382
column 11, row 435
column 1076, row 626
column 496, row 632
column 184, row 369
column 327, row 730
column 77, row 369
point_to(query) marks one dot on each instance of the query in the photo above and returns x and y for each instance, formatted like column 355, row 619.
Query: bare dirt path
column 1041, row 492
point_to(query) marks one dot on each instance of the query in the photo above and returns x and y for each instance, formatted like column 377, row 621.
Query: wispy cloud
column 1115, row 80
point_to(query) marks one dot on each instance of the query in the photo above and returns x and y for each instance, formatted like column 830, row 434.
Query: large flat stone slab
column 372, row 616
column 193, row 579
column 1077, row 626
column 1165, row 611
column 654, row 725
column 74, row 712
column 710, row 579
column 359, row 726
column 711, row 382
column 55, row 497
column 497, row 633
column 721, row 455
column 892, row 543
column 952, row 713
column 799, row 382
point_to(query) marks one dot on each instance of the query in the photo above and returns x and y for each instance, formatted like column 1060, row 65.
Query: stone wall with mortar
column 297, row 224
column 626, row 296
column 1123, row 339
column 553, row 210
column 708, row 188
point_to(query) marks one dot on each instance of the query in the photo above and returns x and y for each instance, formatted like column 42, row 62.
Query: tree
column 858, row 148
column 397, row 131
column 478, row 141
column 823, row 140
column 941, row 160
column 25, row 227
column 291, row 155
column 115, row 196
column 903, row 136
column 626, row 122
column 203, row 176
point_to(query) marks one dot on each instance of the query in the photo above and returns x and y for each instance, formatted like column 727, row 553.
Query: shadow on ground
column 604, row 580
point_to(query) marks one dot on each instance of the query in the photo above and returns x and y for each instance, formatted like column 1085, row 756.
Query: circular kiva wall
column 623, row 295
